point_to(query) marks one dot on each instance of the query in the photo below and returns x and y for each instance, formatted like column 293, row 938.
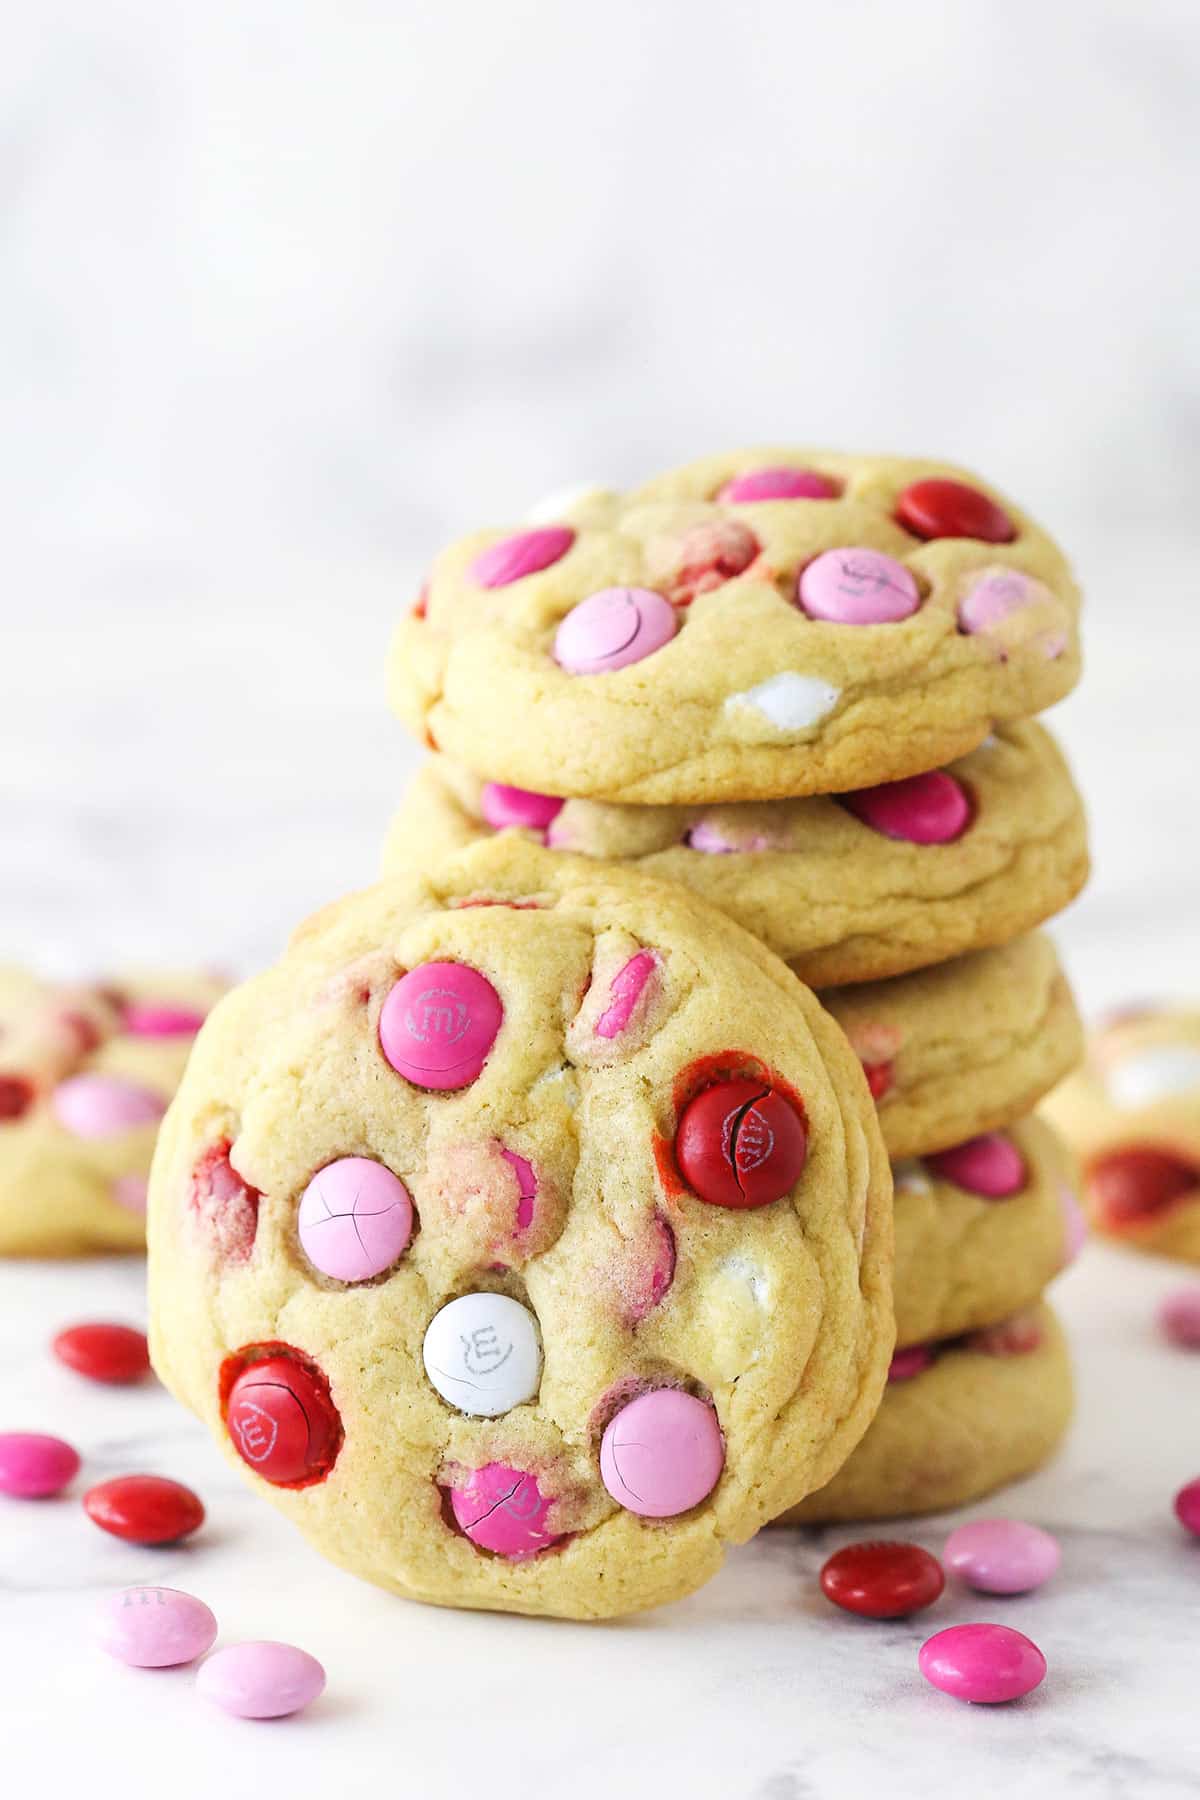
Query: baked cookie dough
column 1132, row 1114
column 981, row 1229
column 965, row 1046
column 958, row 1420
column 525, row 1235
column 85, row 1077
column 756, row 625
column 951, row 861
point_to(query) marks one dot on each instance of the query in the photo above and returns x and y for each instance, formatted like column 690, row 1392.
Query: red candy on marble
column 936, row 508
column 989, row 1165
column 882, row 1580
column 923, row 809
column 1129, row 1186
column 113, row 1354
column 741, row 1144
column 283, row 1422
column 144, row 1509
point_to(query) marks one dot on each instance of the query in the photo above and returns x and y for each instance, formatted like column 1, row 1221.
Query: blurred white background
column 291, row 293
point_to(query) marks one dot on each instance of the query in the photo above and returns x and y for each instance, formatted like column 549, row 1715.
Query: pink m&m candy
column 525, row 553
column 994, row 598
column 628, row 986
column 913, row 1360
column 502, row 806
column 1179, row 1317
column 100, row 1106
column 777, row 484
column 503, row 1510
column 857, row 587
column 155, row 1627
column 355, row 1219
column 989, row 1165
column 985, row 1663
column 938, row 508
column 662, row 1454
column 33, row 1465
column 439, row 1023
column 1187, row 1507
column 1002, row 1556
column 612, row 628
column 155, row 1019
column 924, row 809
column 261, row 1680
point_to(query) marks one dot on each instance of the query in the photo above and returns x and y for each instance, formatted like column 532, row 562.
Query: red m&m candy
column 741, row 1144
column 1130, row 1185
column 936, row 508
column 282, row 1421
column 116, row 1354
column 145, row 1509
column 882, row 1580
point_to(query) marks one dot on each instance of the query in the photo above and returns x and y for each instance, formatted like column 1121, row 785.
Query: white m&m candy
column 483, row 1355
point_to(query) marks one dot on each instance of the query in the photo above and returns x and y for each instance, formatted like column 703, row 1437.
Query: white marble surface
column 754, row 1689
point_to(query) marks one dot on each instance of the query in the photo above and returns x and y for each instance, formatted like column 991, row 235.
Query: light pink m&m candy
column 857, row 587
column 994, row 598
column 439, row 1023
column 985, row 1663
column 1002, row 1556
column 1179, row 1317
column 355, row 1219
column 989, row 1165
column 502, row 806
column 662, row 1454
column 34, row 1466
column 503, row 1510
column 924, row 809
column 100, row 1106
column 612, row 628
column 261, row 1680
column 777, row 484
column 525, row 553
column 155, row 1627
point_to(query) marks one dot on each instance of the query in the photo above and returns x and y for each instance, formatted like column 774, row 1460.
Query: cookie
column 965, row 1046
column 525, row 1233
column 754, row 626
column 1132, row 1114
column 957, row 860
column 980, row 1230
column 85, row 1077
column 958, row 1420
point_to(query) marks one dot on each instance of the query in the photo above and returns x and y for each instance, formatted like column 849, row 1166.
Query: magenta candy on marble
column 914, row 1360
column 158, row 1018
column 989, row 1165
column 261, row 1679
column 525, row 553
column 662, row 1454
column 35, row 1466
column 1187, row 1507
column 1002, row 1556
column 857, row 587
column 1179, row 1317
column 502, row 806
column 155, row 1627
column 776, row 484
column 100, row 1106
column 503, row 1510
column 355, row 1219
column 613, row 628
column 984, row 1663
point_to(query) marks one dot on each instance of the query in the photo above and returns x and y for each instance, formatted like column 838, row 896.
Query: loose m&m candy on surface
column 882, row 1580
column 145, row 1509
column 988, row 1664
column 155, row 1627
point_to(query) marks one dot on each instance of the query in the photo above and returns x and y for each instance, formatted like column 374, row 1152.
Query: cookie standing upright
column 765, row 624
column 525, row 1233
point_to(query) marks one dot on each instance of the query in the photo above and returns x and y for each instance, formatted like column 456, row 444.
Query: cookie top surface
column 757, row 625
column 597, row 1137
column 946, row 862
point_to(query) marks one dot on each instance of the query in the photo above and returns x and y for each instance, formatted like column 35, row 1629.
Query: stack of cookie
column 802, row 685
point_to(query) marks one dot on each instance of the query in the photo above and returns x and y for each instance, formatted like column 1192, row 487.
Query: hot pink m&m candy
column 777, row 484
column 985, row 1663
column 1187, row 1507
column 261, row 1680
column 155, row 1627
column 1002, row 1556
column 525, row 553
column 439, row 1023
column 355, row 1219
column 34, row 1466
column 857, row 587
column 613, row 628
column 662, row 1454
column 155, row 1019
column 503, row 1510
column 913, row 1360
column 503, row 806
column 937, row 508
column 924, row 809
column 989, row 1165
column 100, row 1106
column 1179, row 1317
column 628, row 986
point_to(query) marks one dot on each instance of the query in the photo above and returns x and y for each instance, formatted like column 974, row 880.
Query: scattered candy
column 283, row 1422
column 857, row 587
column 503, row 806
column 155, row 1627
column 483, row 1354
column 882, row 1580
column 989, row 1165
column 261, row 1680
column 34, row 1466
column 525, row 553
column 613, row 628
column 984, row 1663
column 101, row 1106
column 777, row 484
column 355, row 1219
column 1002, row 1556
column 662, row 1454
column 439, row 1023
column 116, row 1354
column 503, row 1510
column 144, row 1509
column 1179, row 1317
column 1187, row 1507
column 923, row 809
column 936, row 508
column 741, row 1144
